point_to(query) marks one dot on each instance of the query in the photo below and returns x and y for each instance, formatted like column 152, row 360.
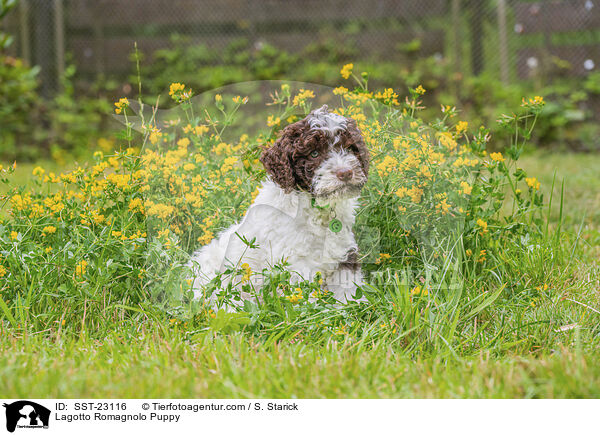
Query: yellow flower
column 387, row 165
column 206, row 237
column 535, row 102
column 2, row 270
column 272, row 121
column 420, row 90
column 20, row 202
column 175, row 88
column 121, row 104
column 14, row 235
column 296, row 297
column 218, row 98
column 482, row 256
column 49, row 230
column 48, row 249
column 388, row 96
column 238, row 99
column 446, row 140
column 80, row 268
column 136, row 204
column 228, row 164
column 97, row 217
column 247, row 272
column 482, row 225
column 183, row 142
column 415, row 194
column 466, row 188
column 161, row 211
column 498, row 157
column 38, row 171
column 302, row 96
column 340, row 90
column 533, row 183
column 461, row 126
column 443, row 206
column 347, row 70
column 383, row 258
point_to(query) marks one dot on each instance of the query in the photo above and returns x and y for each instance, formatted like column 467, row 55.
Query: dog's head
column 323, row 154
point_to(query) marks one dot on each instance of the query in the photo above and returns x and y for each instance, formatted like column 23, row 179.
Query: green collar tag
column 335, row 225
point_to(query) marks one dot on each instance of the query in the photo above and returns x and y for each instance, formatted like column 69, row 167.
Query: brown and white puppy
column 305, row 210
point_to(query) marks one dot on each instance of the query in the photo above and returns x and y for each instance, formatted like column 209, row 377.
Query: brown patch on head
column 351, row 139
column 277, row 158
column 293, row 159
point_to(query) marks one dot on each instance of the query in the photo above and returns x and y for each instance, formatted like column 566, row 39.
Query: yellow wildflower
column 482, row 225
column 121, row 104
column 533, row 183
column 49, row 230
column 383, row 258
column 247, row 272
column 461, row 126
column 183, row 142
column 302, row 96
column 272, row 121
column 80, row 268
column 498, row 157
column 465, row 188
column 482, row 256
column 175, row 88
column 347, row 70
column 340, row 90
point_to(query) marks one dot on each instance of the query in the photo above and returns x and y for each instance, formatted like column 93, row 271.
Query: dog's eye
column 314, row 154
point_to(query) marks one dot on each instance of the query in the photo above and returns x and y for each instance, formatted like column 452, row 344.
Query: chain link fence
column 508, row 39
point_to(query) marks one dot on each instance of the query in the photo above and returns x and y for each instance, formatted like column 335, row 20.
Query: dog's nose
column 344, row 174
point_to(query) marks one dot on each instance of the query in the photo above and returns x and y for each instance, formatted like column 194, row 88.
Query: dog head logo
column 26, row 414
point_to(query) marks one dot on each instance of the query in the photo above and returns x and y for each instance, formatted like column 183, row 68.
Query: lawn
column 483, row 273
column 521, row 351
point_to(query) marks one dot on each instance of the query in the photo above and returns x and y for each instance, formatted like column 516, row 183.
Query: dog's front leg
column 345, row 279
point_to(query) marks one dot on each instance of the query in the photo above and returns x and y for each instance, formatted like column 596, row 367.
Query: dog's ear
column 277, row 159
column 353, row 139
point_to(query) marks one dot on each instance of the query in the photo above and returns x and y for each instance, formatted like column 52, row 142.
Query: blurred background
column 64, row 62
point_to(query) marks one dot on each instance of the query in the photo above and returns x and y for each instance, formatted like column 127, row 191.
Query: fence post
column 59, row 40
column 476, row 30
column 25, row 42
column 457, row 40
column 503, row 41
column 99, row 42
column 43, row 45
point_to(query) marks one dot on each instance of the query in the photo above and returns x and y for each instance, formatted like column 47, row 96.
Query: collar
column 335, row 225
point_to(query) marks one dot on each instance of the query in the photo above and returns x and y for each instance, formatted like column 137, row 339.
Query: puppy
column 304, row 211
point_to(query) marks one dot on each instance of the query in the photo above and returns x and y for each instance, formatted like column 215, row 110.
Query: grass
column 527, row 345
column 159, row 365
